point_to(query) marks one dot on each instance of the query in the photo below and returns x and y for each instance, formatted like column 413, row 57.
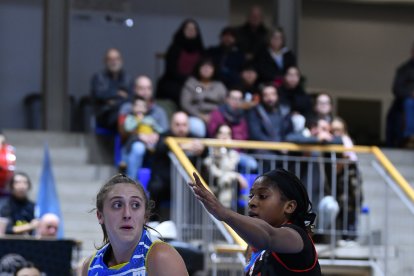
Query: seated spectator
column 183, row 54
column 292, row 95
column 319, row 132
column 110, row 89
column 19, row 209
column 143, row 88
column 159, row 186
column 231, row 114
column 323, row 107
column 252, row 35
column 10, row 263
column 273, row 61
column 249, row 86
column 266, row 121
column 143, row 132
column 48, row 226
column 221, row 165
column 28, row 269
column 201, row 94
column 227, row 58
column 339, row 129
column 403, row 89
column 349, row 179
column 320, row 175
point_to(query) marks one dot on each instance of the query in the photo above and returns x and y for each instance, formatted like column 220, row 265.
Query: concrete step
column 39, row 138
column 58, row 155
column 75, row 172
column 398, row 156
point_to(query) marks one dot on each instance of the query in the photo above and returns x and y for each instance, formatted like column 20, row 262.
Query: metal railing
column 345, row 236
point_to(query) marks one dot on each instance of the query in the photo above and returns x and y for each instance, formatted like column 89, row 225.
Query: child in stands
column 222, row 167
column 138, row 122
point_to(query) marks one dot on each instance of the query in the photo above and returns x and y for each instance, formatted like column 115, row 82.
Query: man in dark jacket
column 266, row 121
column 110, row 89
column 159, row 186
column 227, row 58
column 403, row 89
column 252, row 35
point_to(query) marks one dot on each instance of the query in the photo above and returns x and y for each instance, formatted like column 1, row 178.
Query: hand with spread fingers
column 208, row 199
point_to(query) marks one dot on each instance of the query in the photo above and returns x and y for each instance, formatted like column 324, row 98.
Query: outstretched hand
column 208, row 199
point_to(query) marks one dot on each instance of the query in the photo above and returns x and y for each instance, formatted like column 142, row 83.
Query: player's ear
column 290, row 206
column 99, row 215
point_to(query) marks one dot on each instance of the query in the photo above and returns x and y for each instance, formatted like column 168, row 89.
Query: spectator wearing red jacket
column 231, row 113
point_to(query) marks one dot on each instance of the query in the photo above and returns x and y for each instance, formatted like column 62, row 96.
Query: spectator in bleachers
column 252, row 35
column 266, row 121
column 227, row 58
column 323, row 107
column 28, row 269
column 159, row 186
column 249, row 86
column 319, row 132
column 230, row 113
column 110, row 89
column 143, row 88
column 182, row 56
column 201, row 94
column 221, row 165
column 19, row 209
column 143, row 133
column 349, row 179
column 273, row 60
column 292, row 95
column 48, row 226
column 10, row 263
column 403, row 89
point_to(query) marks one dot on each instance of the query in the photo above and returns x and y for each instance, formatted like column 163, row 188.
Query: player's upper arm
column 286, row 240
column 172, row 263
column 85, row 267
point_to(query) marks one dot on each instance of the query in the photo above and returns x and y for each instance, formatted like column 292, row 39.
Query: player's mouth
column 253, row 214
column 127, row 227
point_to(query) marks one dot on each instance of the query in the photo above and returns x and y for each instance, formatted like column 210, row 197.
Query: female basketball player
column 277, row 226
column 122, row 210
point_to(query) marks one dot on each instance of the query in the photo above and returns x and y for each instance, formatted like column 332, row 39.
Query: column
column 56, row 113
column 286, row 14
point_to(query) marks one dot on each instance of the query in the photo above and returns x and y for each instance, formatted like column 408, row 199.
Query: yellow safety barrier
column 174, row 145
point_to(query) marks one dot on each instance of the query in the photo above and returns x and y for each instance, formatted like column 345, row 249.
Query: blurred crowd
column 248, row 87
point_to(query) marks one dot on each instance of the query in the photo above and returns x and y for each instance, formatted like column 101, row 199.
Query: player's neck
column 122, row 253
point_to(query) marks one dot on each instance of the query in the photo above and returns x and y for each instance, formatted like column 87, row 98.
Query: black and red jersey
column 269, row 263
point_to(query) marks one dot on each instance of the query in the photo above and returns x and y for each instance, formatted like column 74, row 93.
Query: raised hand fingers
column 199, row 190
column 197, row 180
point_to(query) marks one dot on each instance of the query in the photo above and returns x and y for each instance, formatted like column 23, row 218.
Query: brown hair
column 107, row 187
column 25, row 175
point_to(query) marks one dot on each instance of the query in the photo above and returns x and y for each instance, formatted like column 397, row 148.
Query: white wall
column 20, row 57
column 151, row 34
column 352, row 50
column 155, row 23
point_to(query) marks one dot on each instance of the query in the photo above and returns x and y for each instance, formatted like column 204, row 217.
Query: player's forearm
column 254, row 231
